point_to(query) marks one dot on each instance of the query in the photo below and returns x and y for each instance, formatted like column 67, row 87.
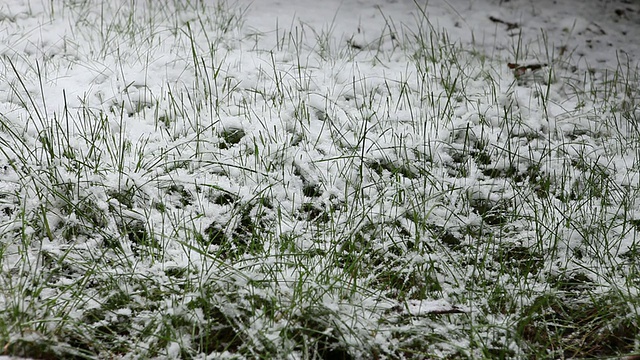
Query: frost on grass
column 173, row 185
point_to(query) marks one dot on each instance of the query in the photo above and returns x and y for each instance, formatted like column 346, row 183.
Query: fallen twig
column 510, row 25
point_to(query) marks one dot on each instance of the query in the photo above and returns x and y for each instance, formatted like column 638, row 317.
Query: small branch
column 453, row 310
column 531, row 67
column 510, row 25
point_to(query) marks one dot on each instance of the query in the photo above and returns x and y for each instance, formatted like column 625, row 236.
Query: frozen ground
column 319, row 179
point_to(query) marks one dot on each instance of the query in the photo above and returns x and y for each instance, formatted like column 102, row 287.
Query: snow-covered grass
column 177, row 184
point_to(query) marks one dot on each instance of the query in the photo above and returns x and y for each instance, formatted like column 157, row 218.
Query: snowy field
column 356, row 179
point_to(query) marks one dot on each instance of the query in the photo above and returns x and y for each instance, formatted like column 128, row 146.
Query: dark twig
column 510, row 25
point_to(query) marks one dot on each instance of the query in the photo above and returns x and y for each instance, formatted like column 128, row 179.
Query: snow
column 168, row 132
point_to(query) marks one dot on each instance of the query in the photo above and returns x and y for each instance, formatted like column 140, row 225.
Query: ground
column 319, row 179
